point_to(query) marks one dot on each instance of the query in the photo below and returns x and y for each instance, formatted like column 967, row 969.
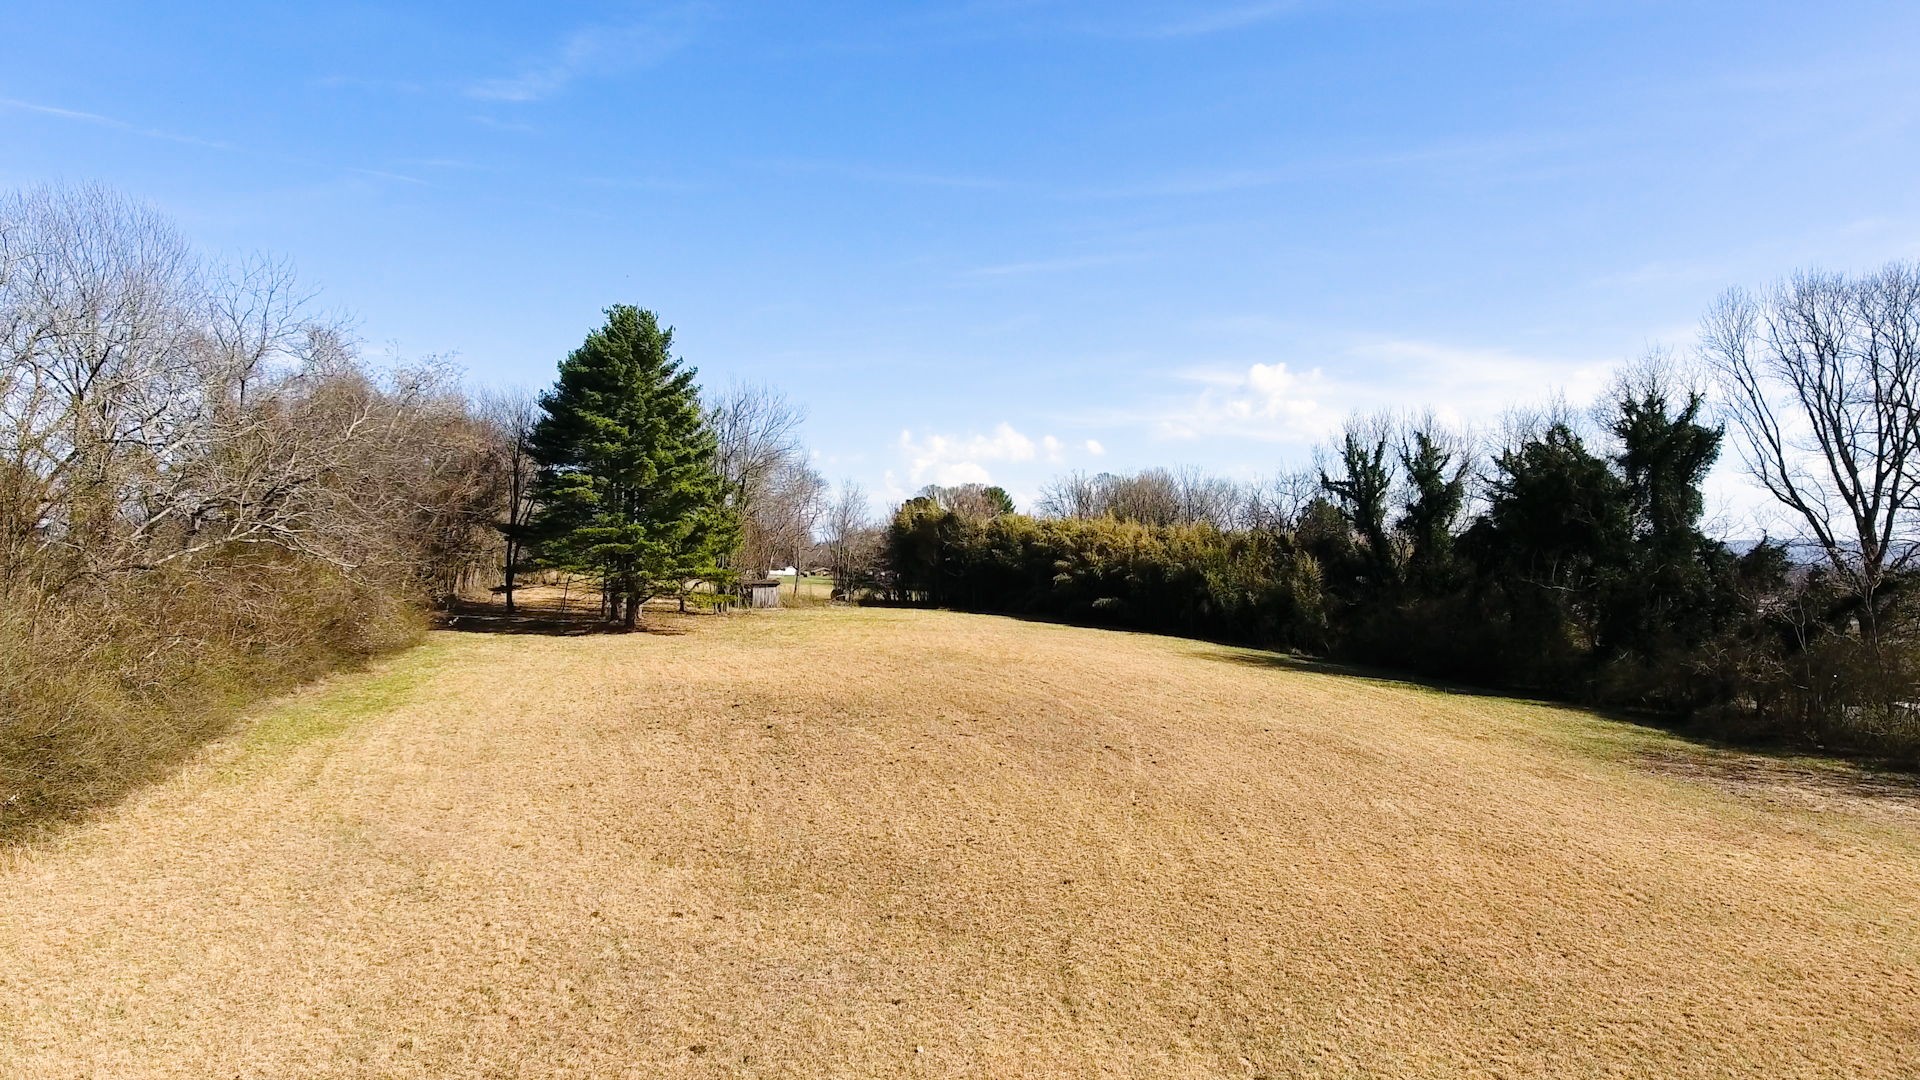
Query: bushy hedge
column 1192, row 580
column 1743, row 646
column 100, row 692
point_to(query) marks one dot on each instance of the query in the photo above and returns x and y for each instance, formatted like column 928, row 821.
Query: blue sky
column 998, row 240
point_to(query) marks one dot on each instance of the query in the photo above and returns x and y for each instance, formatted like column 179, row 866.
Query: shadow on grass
column 550, row 619
column 1260, row 658
column 1779, row 772
column 1785, row 778
column 1776, row 772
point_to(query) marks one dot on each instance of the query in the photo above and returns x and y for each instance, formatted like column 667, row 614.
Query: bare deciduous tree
column 154, row 411
column 1205, row 499
column 1073, row 495
column 1818, row 376
column 1278, row 502
column 1187, row 496
column 851, row 541
column 511, row 415
column 781, row 514
column 981, row 502
column 203, row 492
column 1150, row 497
column 757, row 429
column 769, row 486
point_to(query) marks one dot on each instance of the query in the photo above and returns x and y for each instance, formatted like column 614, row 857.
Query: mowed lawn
column 836, row 842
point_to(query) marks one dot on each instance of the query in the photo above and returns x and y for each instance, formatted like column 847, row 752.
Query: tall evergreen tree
column 1555, row 532
column 1666, row 600
column 1364, row 487
column 1437, row 477
column 1664, row 455
column 628, row 487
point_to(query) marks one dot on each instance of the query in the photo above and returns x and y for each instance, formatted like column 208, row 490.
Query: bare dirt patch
column 1819, row 787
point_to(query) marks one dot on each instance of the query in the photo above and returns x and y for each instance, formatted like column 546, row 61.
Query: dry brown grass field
column 840, row 842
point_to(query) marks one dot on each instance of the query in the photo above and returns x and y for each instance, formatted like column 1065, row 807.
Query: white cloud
column 933, row 458
column 1221, row 19
column 1266, row 401
column 1275, row 402
column 1463, row 385
column 963, row 472
column 1166, row 22
column 98, row 120
column 945, row 459
column 591, row 51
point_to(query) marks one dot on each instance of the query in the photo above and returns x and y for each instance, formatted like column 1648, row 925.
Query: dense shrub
column 1194, row 579
column 204, row 496
column 99, row 692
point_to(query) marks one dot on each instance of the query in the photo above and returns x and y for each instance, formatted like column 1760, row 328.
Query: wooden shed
column 760, row 593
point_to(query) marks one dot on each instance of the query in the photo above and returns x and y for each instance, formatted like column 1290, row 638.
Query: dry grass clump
column 859, row 842
column 101, row 692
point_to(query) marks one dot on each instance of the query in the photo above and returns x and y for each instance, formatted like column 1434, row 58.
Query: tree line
column 1565, row 559
column 207, row 492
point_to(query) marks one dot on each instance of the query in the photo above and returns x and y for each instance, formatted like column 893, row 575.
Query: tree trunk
column 511, row 558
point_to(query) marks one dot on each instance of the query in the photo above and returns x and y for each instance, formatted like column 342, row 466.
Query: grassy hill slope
column 876, row 842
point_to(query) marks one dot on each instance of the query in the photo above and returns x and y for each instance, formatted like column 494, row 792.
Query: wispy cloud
column 97, row 120
column 1268, row 402
column 1464, row 384
column 447, row 164
column 114, row 124
column 381, row 174
column 1857, row 243
column 1279, row 402
column 1158, row 20
column 591, row 52
column 1494, row 156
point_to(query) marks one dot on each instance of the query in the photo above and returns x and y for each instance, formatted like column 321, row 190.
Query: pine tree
column 1363, row 488
column 628, row 488
column 1437, row 477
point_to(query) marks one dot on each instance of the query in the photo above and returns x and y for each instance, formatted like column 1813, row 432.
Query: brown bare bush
column 204, row 495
